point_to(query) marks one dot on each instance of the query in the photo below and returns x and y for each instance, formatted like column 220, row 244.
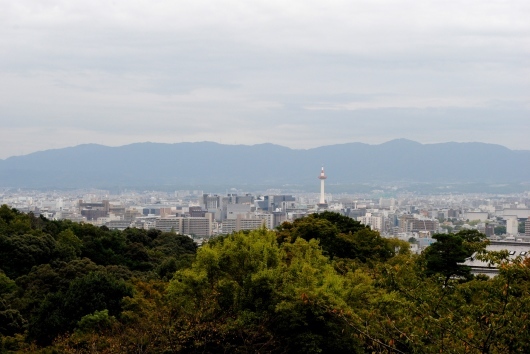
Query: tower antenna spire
column 322, row 177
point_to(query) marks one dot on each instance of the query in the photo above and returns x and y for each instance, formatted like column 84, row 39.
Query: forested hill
column 322, row 284
column 206, row 163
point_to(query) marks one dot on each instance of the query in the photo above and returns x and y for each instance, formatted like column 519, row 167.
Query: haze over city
column 298, row 74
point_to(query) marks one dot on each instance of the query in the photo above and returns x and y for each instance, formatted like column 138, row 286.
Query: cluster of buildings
column 410, row 217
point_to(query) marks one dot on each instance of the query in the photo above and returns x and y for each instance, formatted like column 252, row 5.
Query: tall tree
column 445, row 255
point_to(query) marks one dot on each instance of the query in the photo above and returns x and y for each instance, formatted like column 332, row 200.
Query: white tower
column 322, row 177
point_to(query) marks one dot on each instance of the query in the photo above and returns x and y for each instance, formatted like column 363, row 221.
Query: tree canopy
column 323, row 283
column 450, row 251
column 339, row 236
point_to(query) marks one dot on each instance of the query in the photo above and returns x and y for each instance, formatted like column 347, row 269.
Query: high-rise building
column 197, row 226
column 169, row 224
column 512, row 225
column 527, row 227
column 246, row 222
column 273, row 202
column 93, row 211
column 322, row 177
column 376, row 221
column 197, row 212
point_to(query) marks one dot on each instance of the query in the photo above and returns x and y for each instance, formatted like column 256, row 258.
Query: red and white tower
column 322, row 177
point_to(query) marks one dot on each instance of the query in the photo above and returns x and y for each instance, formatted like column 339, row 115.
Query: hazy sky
column 296, row 73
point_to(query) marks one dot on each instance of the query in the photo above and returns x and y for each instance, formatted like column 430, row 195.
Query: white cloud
column 256, row 71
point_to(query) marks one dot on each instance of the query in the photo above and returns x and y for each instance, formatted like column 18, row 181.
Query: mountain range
column 151, row 164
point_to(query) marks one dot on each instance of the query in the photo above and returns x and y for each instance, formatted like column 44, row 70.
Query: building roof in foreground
column 515, row 249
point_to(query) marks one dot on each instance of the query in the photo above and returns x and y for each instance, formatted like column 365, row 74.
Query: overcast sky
column 296, row 73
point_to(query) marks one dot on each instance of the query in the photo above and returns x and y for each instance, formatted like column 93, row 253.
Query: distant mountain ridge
column 142, row 164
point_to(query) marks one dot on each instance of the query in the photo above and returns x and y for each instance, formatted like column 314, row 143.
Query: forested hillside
column 324, row 283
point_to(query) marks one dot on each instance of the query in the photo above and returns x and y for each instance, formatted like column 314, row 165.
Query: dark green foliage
column 138, row 236
column 167, row 268
column 7, row 285
column 48, row 321
column 137, row 257
column 471, row 236
column 68, row 245
column 340, row 236
column 19, row 253
column 172, row 244
column 365, row 245
column 61, row 312
column 102, row 247
column 320, row 229
column 96, row 291
column 443, row 256
column 323, row 284
column 308, row 328
column 7, row 215
column 48, row 278
column 95, row 321
column 11, row 321
column 344, row 224
column 53, row 273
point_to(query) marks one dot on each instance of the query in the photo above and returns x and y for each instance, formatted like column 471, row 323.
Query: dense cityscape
column 410, row 217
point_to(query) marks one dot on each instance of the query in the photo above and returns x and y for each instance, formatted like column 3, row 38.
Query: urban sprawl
column 410, row 217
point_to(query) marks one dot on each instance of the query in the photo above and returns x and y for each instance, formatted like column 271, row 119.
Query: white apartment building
column 197, row 226
column 375, row 221
column 246, row 222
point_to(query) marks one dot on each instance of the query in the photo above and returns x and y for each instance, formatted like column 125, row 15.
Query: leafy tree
column 102, row 247
column 167, row 268
column 11, row 320
column 343, row 223
column 7, row 285
column 144, row 326
column 68, row 245
column 318, row 229
column 256, row 291
column 7, row 215
column 479, row 316
column 473, row 241
column 245, row 293
column 365, row 245
column 19, row 253
column 339, row 236
column 13, row 222
column 95, row 321
column 61, row 312
column 134, row 235
column 48, row 278
column 174, row 245
column 445, row 255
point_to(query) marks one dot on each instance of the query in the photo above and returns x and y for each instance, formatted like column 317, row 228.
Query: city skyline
column 301, row 74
